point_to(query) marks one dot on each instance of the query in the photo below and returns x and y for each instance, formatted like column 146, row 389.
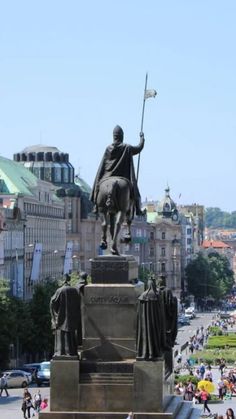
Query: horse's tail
column 111, row 196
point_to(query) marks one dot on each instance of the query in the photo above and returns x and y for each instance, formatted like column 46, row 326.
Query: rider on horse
column 118, row 161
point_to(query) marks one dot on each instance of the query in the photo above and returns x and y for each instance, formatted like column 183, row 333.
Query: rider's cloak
column 117, row 161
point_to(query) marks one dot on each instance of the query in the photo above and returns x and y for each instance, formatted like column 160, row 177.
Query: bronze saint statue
column 151, row 327
column 66, row 319
column 171, row 316
column 115, row 191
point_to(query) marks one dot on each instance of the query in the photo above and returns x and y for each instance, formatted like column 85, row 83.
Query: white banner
column 36, row 262
column 68, row 258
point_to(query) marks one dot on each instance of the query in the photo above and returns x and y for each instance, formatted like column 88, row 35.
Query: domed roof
column 40, row 148
column 167, row 206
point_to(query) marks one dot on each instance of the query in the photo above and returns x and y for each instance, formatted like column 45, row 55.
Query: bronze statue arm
column 137, row 149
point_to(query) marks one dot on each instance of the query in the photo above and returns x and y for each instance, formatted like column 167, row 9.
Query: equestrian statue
column 115, row 191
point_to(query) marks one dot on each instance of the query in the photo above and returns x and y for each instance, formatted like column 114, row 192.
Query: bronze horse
column 115, row 205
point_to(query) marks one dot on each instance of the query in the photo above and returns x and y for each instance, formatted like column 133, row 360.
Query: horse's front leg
column 119, row 220
column 103, row 243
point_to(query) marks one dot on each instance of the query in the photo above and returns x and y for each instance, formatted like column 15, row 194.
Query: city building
column 211, row 246
column 34, row 231
column 165, row 241
column 83, row 230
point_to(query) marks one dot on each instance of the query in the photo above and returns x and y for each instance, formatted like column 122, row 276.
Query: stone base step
column 106, row 378
column 180, row 408
column 102, row 415
column 195, row 414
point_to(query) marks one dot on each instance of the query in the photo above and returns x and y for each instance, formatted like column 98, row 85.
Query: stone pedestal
column 64, row 385
column 148, row 386
column 110, row 269
column 107, row 382
column 109, row 322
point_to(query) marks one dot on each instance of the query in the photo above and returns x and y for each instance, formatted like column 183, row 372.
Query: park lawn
column 224, row 341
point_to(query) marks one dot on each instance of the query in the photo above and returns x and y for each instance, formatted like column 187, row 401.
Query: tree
column 40, row 343
column 215, row 217
column 209, row 276
column 222, row 277
column 14, row 321
column 197, row 274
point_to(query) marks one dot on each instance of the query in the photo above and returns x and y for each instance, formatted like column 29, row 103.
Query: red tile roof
column 216, row 244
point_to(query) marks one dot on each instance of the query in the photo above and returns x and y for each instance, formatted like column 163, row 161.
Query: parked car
column 32, row 369
column 43, row 373
column 17, row 378
column 183, row 321
column 190, row 312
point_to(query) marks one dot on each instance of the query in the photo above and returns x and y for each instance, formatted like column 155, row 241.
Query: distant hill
column 214, row 218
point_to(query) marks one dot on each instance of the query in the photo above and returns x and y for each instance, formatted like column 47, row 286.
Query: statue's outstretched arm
column 138, row 148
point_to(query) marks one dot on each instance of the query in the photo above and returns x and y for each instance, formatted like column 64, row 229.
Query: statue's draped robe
column 171, row 315
column 66, row 320
column 117, row 161
column 151, row 327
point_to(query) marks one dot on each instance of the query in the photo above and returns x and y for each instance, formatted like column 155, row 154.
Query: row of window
column 44, row 210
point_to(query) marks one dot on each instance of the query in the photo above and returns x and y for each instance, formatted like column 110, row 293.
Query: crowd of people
column 35, row 403
column 225, row 385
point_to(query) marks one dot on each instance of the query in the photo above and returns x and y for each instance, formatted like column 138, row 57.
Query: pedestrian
column 27, row 403
column 222, row 366
column 44, row 404
column 208, row 374
column 204, row 398
column 202, row 370
column 3, row 385
column 191, row 348
column 179, row 357
column 229, row 414
column 180, row 389
column 189, row 391
column 37, row 401
column 221, row 387
column 130, row 415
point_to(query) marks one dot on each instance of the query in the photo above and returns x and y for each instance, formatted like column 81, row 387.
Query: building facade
column 33, row 215
column 83, row 230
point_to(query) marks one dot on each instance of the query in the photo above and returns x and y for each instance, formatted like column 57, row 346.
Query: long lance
column 146, row 95
column 142, row 119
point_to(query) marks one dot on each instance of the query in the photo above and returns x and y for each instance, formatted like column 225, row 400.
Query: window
column 151, row 252
column 163, row 235
column 189, row 231
column 137, row 247
column 163, row 251
column 189, row 241
column 152, row 235
column 138, row 232
column 163, row 267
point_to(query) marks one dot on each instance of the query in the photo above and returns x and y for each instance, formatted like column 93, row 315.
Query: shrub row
column 213, row 356
column 215, row 342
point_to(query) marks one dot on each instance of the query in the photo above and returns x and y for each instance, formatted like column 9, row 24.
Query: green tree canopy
column 40, row 342
column 215, row 217
column 209, row 276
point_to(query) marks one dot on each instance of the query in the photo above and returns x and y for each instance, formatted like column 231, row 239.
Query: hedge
column 215, row 331
column 215, row 342
column 185, row 379
column 213, row 356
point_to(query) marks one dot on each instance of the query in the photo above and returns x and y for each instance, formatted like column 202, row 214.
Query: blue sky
column 71, row 70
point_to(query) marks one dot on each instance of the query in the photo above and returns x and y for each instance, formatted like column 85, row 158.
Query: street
column 10, row 407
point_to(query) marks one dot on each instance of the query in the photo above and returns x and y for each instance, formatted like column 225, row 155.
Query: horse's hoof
column 114, row 251
column 127, row 238
column 103, row 245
